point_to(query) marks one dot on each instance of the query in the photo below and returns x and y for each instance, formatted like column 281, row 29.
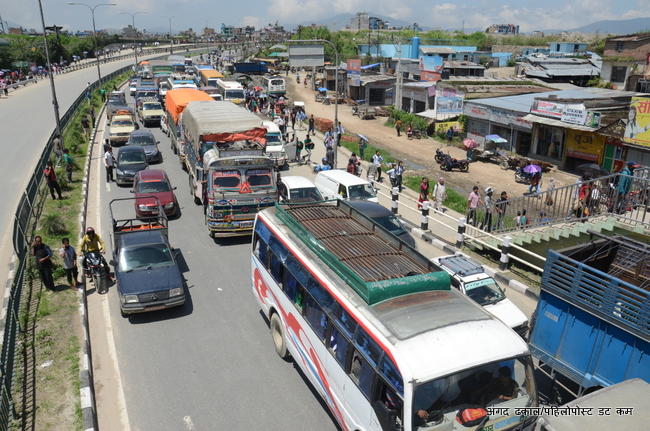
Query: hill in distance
column 623, row 26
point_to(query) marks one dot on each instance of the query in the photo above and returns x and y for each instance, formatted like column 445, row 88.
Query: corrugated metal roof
column 550, row 72
column 630, row 37
column 523, row 102
column 418, row 84
column 436, row 50
column 463, row 65
column 375, row 78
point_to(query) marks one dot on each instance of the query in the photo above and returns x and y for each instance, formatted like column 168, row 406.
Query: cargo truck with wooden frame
column 229, row 171
column 175, row 103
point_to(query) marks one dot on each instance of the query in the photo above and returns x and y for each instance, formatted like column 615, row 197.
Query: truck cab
column 147, row 272
column 469, row 277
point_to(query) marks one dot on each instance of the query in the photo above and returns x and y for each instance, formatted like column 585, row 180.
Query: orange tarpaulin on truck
column 256, row 134
column 177, row 100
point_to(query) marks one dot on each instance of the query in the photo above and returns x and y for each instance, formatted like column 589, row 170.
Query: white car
column 275, row 144
column 469, row 277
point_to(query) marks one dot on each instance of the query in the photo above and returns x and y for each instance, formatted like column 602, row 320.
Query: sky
column 529, row 15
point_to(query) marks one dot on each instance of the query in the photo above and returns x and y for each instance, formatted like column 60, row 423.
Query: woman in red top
column 424, row 192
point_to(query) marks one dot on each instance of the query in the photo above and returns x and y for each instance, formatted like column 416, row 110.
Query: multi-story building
column 624, row 56
column 503, row 29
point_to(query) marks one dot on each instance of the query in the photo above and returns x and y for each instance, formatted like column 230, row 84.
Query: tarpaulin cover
column 370, row 66
column 177, row 100
column 256, row 134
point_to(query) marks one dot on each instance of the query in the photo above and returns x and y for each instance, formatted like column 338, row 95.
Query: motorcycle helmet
column 488, row 190
column 324, row 160
column 90, row 231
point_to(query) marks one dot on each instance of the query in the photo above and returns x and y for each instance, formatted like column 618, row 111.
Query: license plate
column 157, row 307
column 246, row 224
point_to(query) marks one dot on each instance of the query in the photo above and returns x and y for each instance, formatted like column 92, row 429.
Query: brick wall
column 638, row 50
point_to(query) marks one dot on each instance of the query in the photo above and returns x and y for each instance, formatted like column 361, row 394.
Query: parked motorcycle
column 522, row 177
column 97, row 271
column 450, row 163
column 440, row 156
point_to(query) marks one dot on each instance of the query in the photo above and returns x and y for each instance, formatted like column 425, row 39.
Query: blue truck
column 256, row 68
column 592, row 323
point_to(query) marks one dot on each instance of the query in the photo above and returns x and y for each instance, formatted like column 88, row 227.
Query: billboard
column 552, row 109
column 431, row 64
column 354, row 72
column 638, row 122
column 449, row 101
column 306, row 55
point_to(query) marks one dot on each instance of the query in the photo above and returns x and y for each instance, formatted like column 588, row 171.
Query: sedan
column 149, row 185
column 130, row 161
column 147, row 141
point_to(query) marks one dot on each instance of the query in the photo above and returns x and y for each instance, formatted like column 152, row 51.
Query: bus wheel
column 277, row 334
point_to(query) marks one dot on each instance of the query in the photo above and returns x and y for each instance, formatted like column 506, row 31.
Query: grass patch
column 455, row 201
column 351, row 142
column 57, row 335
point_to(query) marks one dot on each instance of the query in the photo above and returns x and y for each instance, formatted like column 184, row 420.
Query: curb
column 87, row 386
column 5, row 300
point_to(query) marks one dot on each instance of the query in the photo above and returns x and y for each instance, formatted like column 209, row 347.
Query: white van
column 275, row 144
column 338, row 184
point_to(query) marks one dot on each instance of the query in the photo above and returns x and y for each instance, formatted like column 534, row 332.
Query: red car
column 152, row 183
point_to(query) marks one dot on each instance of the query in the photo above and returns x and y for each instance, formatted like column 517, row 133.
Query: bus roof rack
column 369, row 263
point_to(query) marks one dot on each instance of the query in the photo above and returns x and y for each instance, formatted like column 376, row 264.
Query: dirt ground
column 421, row 152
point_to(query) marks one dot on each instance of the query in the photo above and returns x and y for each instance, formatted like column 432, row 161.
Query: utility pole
column 398, row 83
column 135, row 47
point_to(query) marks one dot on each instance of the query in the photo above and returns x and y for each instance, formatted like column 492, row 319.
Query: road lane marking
column 188, row 422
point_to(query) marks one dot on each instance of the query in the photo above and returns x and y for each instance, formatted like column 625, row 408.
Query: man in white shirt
column 339, row 133
column 377, row 159
column 109, row 162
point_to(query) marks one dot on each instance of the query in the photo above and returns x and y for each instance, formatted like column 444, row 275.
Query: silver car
column 147, row 141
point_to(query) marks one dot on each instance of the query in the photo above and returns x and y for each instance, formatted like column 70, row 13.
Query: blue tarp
column 496, row 138
column 370, row 66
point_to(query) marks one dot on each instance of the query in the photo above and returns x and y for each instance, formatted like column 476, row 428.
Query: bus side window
column 261, row 250
column 276, row 267
column 293, row 289
column 316, row 317
column 339, row 345
column 362, row 372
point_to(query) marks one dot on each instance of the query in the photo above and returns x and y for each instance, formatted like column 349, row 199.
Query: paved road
column 210, row 363
column 27, row 122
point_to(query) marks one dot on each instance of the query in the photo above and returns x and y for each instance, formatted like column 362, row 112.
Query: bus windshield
column 507, row 383
column 235, row 94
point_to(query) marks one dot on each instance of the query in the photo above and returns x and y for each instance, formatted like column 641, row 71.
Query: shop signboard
column 354, row 72
column 509, row 118
column 429, row 76
column 638, row 122
column 445, row 125
column 476, row 111
column 306, row 55
column 581, row 117
column 449, row 101
column 552, row 109
column 584, row 145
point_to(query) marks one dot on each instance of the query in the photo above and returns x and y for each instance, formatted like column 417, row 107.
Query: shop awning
column 557, row 123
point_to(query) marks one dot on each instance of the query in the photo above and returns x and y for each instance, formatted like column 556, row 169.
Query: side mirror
column 131, row 191
column 174, row 188
column 112, row 263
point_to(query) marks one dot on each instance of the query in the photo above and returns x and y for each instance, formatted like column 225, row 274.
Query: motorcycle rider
column 91, row 242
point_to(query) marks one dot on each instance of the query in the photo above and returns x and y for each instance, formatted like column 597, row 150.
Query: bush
column 53, row 224
column 397, row 114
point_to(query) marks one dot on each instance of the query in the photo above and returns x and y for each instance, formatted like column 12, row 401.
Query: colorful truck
column 592, row 323
column 229, row 171
column 175, row 103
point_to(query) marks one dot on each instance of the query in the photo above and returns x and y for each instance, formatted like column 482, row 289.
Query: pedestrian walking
column 58, row 149
column 501, row 207
column 409, row 131
column 85, row 125
column 92, row 115
column 377, row 159
column 107, row 145
column 399, row 171
column 353, row 163
column 391, row 175
column 69, row 255
column 363, row 144
column 450, row 135
column 424, row 192
column 439, row 194
column 549, row 192
column 52, row 183
column 329, row 154
column 68, row 163
column 43, row 256
column 371, row 174
column 398, row 127
column 300, row 118
column 535, row 183
column 473, row 201
column 109, row 162
column 487, row 220
column 312, row 124
column 293, row 118
column 518, row 220
column 309, row 146
column 102, row 93
column 339, row 132
column 299, row 146
column 624, row 186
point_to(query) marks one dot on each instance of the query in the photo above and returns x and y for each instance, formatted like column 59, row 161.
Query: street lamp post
column 206, row 31
column 92, row 11
column 171, row 41
column 135, row 47
column 55, row 102
column 336, row 88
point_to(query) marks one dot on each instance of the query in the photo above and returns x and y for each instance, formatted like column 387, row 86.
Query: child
column 518, row 220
